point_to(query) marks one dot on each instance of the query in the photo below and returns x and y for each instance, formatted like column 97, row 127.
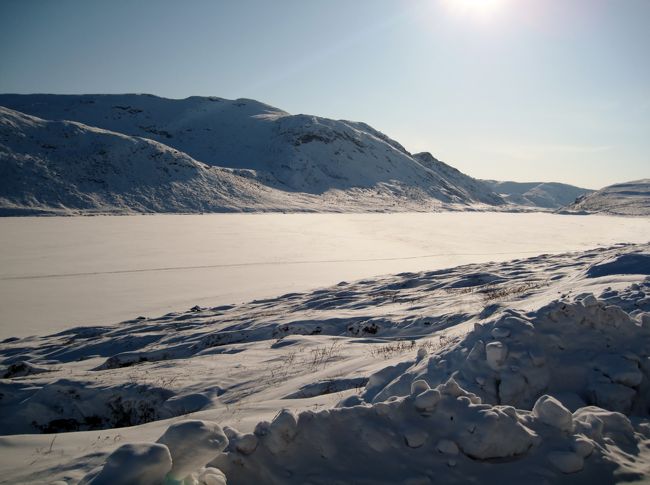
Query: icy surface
column 56, row 273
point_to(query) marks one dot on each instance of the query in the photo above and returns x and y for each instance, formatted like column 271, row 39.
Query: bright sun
column 476, row 6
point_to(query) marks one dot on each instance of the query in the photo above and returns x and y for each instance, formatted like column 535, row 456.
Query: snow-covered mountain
column 295, row 154
column 548, row 195
column 52, row 166
column 629, row 198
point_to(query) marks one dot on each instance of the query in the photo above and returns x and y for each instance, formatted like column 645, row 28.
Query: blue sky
column 548, row 90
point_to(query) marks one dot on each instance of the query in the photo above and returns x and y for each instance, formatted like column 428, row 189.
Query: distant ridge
column 549, row 195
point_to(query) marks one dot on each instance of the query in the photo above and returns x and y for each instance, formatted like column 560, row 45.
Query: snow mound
column 22, row 369
column 519, row 357
column 349, row 443
column 179, row 457
column 635, row 263
column 401, row 441
column 141, row 463
column 73, row 405
column 192, row 444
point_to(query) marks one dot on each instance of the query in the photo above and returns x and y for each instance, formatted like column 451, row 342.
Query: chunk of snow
column 427, row 400
column 550, row 411
column 192, row 444
column 419, row 387
column 583, row 446
column 447, row 447
column 141, row 463
column 415, row 437
column 496, row 353
column 246, row 444
column 566, row 461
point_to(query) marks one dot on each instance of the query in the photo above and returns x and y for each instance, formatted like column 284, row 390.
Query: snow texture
column 531, row 370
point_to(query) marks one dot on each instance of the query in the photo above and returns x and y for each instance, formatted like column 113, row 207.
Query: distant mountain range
column 142, row 153
column 549, row 195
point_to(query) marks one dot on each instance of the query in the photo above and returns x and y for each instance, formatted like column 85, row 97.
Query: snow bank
column 423, row 436
column 635, row 263
column 585, row 352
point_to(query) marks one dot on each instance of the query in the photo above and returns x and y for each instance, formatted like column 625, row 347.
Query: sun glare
column 475, row 6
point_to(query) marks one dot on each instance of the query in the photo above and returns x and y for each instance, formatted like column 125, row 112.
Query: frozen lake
column 57, row 273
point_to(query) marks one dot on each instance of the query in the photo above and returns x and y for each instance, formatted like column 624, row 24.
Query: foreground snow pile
column 585, row 352
column 431, row 433
column 175, row 458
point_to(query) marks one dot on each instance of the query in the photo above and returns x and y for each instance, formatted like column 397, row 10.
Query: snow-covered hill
column 547, row 195
column 293, row 153
column 628, row 199
column 53, row 166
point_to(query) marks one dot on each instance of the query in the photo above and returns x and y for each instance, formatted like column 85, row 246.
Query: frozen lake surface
column 57, row 273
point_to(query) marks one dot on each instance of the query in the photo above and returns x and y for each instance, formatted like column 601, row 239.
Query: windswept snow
column 627, row 199
column 532, row 370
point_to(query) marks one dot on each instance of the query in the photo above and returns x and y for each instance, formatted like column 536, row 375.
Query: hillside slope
column 58, row 166
column 548, row 195
column 456, row 182
column 628, row 199
column 294, row 153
